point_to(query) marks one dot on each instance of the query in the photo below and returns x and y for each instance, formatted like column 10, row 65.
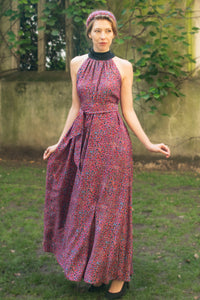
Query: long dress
column 88, row 206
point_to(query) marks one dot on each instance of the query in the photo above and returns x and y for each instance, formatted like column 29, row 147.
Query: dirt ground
column 141, row 163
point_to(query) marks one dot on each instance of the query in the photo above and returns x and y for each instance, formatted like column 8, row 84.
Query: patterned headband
column 105, row 13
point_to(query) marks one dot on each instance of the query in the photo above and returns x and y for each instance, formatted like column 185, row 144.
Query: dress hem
column 87, row 281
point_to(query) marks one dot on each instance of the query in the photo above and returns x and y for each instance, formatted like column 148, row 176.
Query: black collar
column 100, row 55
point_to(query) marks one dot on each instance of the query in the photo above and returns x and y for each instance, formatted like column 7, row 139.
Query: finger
column 165, row 148
column 165, row 151
column 46, row 154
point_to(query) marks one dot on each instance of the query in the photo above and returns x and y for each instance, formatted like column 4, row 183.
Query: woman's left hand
column 162, row 148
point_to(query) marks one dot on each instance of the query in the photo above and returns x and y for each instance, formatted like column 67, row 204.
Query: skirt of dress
column 88, row 207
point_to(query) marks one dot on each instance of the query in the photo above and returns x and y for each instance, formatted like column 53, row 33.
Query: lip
column 103, row 43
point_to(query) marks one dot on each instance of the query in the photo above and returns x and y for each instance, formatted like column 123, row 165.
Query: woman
column 88, row 214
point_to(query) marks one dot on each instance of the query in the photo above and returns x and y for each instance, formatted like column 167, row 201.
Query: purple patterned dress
column 88, row 207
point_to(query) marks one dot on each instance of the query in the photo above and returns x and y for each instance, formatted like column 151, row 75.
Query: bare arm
column 129, row 113
column 75, row 107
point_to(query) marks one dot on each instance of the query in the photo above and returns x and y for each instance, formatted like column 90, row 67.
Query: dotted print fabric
column 88, row 205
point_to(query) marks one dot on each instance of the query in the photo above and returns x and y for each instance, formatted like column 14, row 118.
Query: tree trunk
column 41, row 38
column 197, row 35
column 15, row 58
column 68, row 38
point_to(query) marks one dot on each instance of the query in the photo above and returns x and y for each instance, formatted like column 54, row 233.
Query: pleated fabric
column 88, row 205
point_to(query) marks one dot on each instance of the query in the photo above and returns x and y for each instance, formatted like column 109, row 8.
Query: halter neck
column 100, row 55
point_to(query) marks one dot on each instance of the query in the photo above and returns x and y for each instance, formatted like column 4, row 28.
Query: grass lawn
column 166, row 223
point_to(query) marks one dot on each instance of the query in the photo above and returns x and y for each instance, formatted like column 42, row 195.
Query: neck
column 101, row 55
column 97, row 51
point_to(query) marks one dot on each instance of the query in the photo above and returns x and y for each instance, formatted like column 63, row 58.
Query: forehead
column 102, row 24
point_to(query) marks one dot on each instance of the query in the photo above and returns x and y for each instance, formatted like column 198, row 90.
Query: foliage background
column 153, row 32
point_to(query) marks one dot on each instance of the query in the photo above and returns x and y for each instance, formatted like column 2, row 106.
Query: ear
column 89, row 35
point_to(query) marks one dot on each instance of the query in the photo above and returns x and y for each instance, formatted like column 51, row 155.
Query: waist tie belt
column 98, row 112
column 79, row 151
column 76, row 132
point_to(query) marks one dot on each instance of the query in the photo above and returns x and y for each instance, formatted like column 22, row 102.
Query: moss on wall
column 33, row 114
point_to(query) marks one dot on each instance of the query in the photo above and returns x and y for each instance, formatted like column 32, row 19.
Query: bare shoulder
column 77, row 61
column 124, row 66
column 123, row 62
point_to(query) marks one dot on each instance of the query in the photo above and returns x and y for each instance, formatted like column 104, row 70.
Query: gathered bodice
column 98, row 85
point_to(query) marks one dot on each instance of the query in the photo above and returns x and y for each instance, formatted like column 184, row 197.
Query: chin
column 103, row 48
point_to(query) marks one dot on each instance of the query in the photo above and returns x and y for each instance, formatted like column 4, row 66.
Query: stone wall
column 34, row 107
column 33, row 113
column 181, row 128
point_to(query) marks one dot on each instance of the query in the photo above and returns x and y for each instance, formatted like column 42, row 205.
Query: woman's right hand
column 49, row 151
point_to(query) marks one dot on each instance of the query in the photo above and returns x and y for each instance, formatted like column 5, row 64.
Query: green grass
column 166, row 223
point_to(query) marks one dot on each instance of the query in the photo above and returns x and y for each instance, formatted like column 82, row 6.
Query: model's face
column 101, row 35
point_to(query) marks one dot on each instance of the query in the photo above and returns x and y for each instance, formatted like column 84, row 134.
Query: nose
column 103, row 35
